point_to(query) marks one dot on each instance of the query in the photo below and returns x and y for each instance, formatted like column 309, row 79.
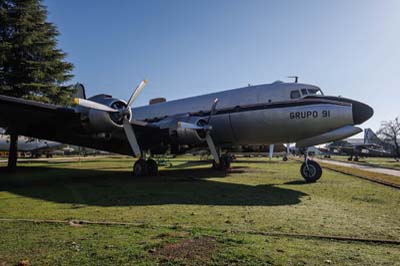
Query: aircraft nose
column 361, row 112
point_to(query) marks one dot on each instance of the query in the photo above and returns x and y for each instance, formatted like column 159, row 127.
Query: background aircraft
column 34, row 146
column 254, row 115
column 372, row 146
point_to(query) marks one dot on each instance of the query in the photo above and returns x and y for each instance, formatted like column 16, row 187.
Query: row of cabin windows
column 304, row 92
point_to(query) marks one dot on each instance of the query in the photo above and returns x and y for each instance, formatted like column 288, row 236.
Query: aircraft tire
column 224, row 164
column 140, row 168
column 228, row 161
column 284, row 158
column 152, row 167
column 311, row 173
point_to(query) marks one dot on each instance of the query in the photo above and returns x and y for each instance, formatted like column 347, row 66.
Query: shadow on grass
column 262, row 161
column 186, row 164
column 120, row 188
column 296, row 182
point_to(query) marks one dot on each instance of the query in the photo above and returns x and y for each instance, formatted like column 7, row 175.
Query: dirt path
column 385, row 171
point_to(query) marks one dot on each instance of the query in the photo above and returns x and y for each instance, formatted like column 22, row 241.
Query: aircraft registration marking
column 310, row 114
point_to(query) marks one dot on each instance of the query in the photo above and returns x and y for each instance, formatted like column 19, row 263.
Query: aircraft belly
column 283, row 125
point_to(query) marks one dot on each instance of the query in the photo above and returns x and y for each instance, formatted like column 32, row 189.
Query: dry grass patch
column 197, row 251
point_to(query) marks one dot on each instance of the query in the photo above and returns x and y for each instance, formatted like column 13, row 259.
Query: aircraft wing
column 63, row 124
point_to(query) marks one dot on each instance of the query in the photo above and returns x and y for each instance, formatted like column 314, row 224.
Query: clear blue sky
column 187, row 48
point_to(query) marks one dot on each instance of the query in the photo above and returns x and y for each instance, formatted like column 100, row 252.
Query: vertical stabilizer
column 370, row 137
column 80, row 91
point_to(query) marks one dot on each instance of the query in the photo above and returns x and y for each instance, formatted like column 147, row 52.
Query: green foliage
column 31, row 65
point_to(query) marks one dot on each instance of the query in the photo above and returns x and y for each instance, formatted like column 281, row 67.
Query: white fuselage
column 262, row 114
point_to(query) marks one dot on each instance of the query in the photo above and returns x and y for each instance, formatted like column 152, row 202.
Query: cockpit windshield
column 304, row 92
column 315, row 92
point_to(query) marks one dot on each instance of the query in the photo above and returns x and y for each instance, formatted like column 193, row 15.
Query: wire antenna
column 296, row 78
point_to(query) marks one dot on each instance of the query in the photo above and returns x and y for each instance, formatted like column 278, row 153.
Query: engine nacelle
column 188, row 136
column 101, row 121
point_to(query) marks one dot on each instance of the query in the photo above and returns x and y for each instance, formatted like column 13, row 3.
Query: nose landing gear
column 310, row 170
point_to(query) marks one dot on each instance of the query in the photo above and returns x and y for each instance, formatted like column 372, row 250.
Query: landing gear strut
column 145, row 168
column 310, row 170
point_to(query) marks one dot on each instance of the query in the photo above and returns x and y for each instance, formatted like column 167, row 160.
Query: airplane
column 31, row 145
column 253, row 115
column 372, row 146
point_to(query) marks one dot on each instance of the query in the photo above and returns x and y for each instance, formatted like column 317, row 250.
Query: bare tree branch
column 390, row 130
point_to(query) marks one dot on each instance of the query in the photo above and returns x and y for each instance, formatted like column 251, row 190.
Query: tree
column 390, row 131
column 31, row 65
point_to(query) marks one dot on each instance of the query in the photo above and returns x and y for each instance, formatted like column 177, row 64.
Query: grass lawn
column 192, row 215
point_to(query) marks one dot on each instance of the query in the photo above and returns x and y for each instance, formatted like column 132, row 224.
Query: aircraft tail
column 370, row 137
column 79, row 91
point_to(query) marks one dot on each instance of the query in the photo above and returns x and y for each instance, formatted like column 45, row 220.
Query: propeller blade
column 94, row 105
column 130, row 135
column 136, row 92
column 138, row 123
column 213, row 109
column 189, row 126
column 212, row 148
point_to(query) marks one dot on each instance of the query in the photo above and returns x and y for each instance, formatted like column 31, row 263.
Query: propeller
column 207, row 129
column 93, row 105
column 124, row 114
column 212, row 148
column 136, row 92
column 213, row 109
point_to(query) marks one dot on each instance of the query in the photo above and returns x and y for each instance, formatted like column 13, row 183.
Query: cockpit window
column 295, row 94
column 304, row 91
column 315, row 92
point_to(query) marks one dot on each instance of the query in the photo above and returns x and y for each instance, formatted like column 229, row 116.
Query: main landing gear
column 144, row 167
column 310, row 170
column 224, row 163
column 351, row 158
